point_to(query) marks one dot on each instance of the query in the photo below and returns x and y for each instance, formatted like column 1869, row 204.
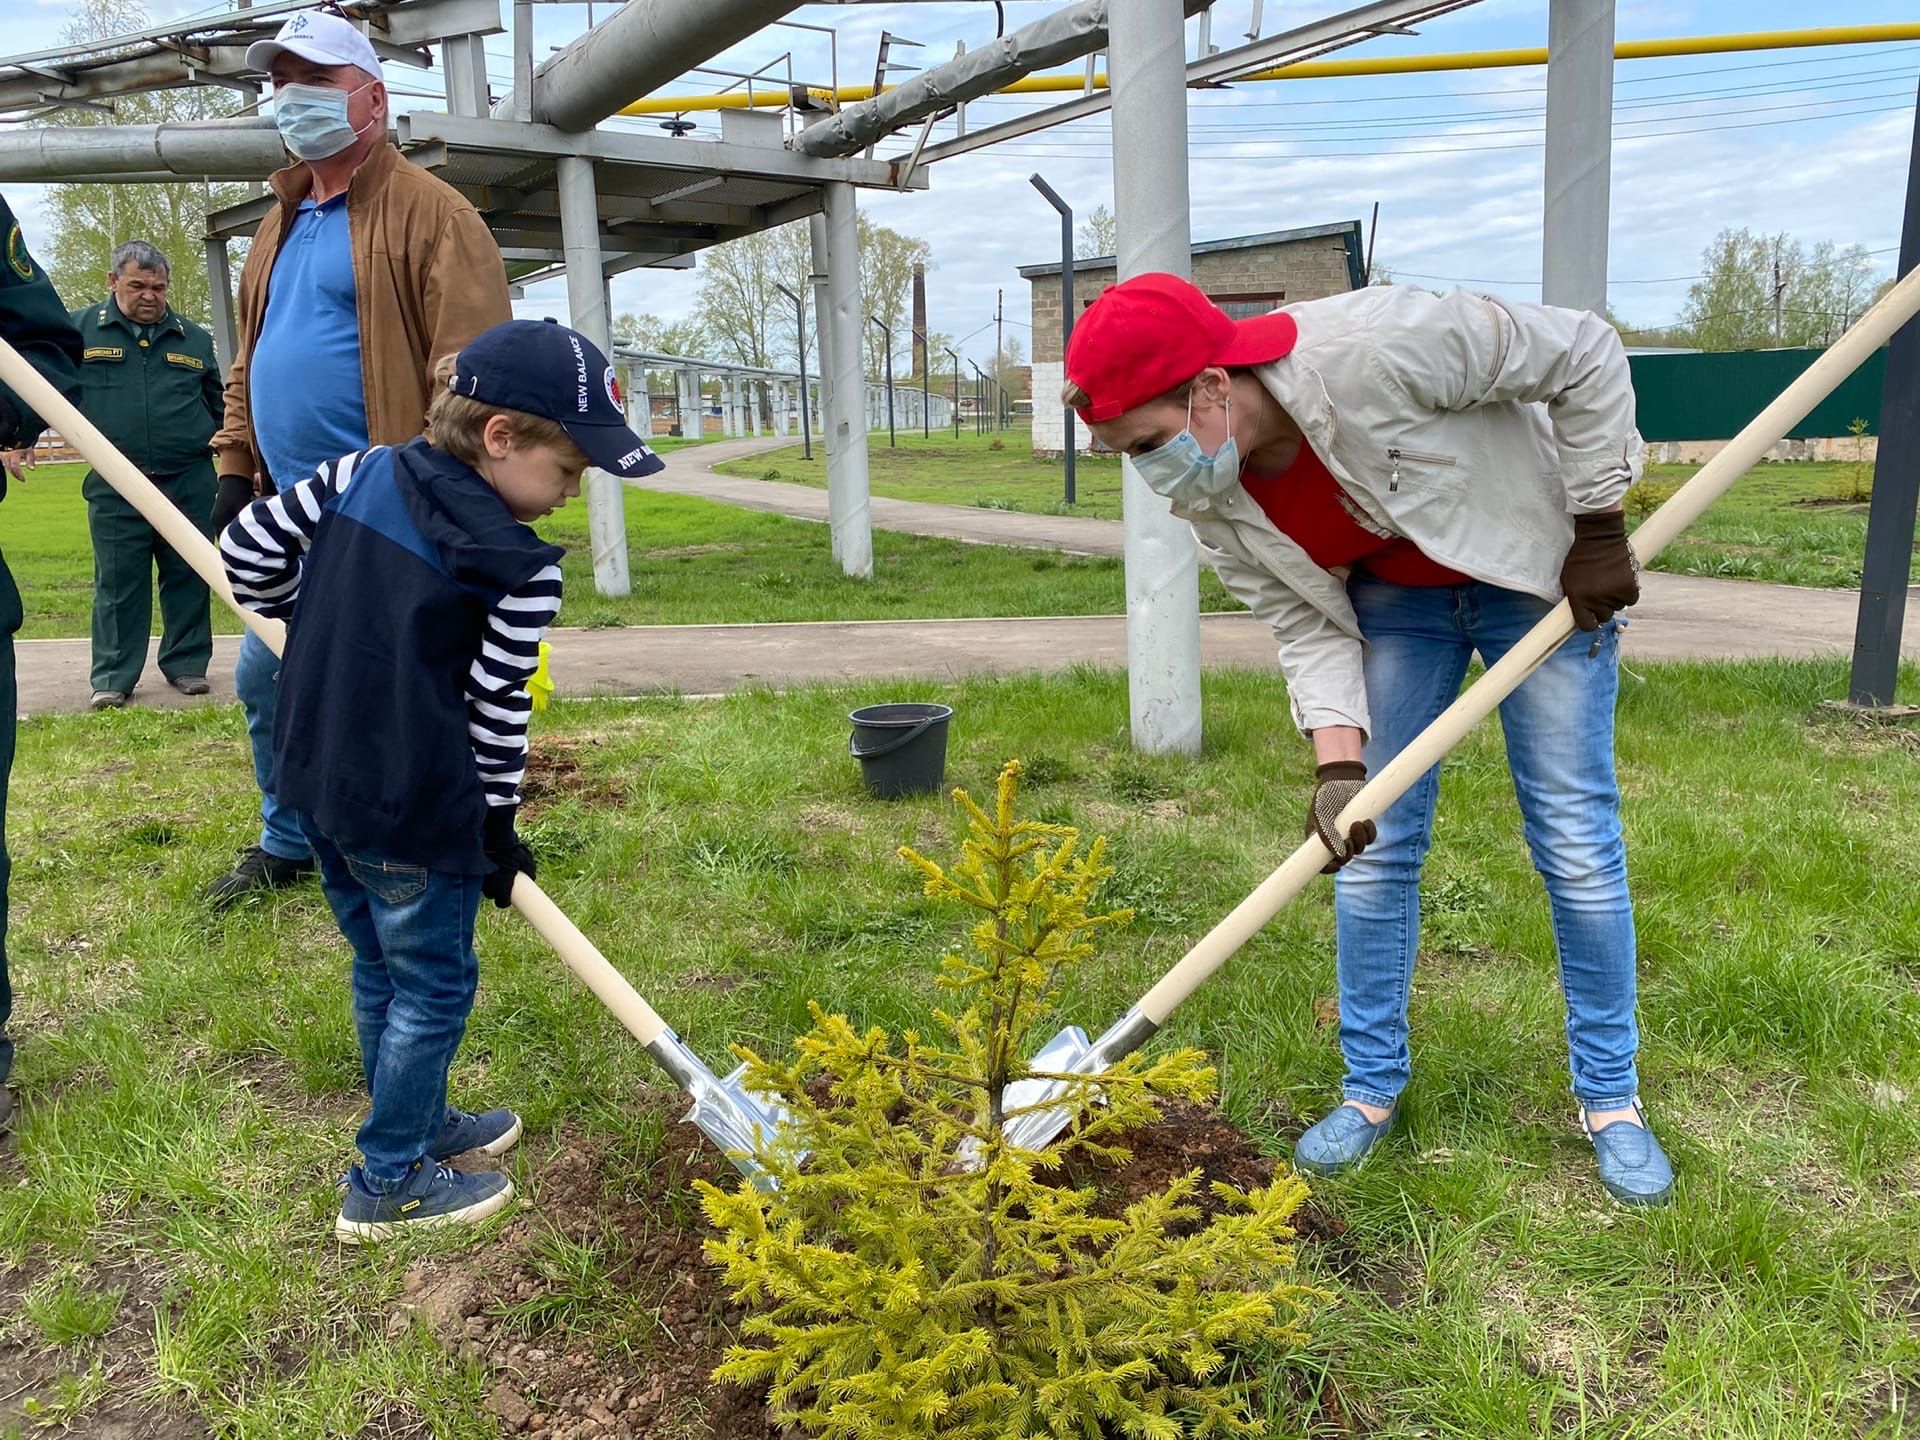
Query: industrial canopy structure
column 564, row 196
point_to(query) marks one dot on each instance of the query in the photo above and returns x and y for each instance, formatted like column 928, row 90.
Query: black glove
column 506, row 852
column 1339, row 782
column 1599, row 574
column 233, row 496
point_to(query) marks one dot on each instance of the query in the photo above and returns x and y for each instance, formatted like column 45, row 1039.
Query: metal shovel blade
column 740, row 1121
column 1074, row 1055
column 1058, row 1054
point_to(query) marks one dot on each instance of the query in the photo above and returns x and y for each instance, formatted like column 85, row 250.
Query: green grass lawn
column 691, row 561
column 191, row 1085
column 1778, row 523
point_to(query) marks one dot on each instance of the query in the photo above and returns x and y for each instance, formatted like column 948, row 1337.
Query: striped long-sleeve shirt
column 264, row 551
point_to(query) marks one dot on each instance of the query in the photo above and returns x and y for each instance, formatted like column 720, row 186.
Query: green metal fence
column 1712, row 395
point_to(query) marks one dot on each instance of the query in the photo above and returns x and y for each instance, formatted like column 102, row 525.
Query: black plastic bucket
column 902, row 749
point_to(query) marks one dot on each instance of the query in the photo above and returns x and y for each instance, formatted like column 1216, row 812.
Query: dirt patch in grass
column 555, row 772
column 624, row 1346
column 82, row 1387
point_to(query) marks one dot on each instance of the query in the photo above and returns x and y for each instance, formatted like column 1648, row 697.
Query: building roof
column 1349, row 231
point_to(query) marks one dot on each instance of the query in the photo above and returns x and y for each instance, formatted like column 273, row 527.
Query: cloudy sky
column 1813, row 142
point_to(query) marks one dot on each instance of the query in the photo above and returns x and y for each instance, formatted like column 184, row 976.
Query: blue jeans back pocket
column 392, row 883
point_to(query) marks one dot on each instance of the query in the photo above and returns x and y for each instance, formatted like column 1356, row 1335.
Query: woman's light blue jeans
column 1559, row 734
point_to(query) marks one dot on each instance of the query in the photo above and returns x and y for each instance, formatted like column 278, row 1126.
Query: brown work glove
column 1339, row 782
column 1599, row 574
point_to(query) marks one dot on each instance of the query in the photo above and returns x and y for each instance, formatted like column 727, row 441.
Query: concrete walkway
column 1679, row 618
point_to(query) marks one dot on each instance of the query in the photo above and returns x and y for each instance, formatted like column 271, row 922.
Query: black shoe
column 6, row 1109
column 258, row 870
column 190, row 684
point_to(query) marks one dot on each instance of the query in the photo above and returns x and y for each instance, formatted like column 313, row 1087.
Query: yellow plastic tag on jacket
column 540, row 687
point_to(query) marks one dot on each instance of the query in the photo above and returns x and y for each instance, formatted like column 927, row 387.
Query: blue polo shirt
column 303, row 381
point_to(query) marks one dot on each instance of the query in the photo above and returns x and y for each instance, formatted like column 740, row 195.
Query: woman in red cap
column 1394, row 480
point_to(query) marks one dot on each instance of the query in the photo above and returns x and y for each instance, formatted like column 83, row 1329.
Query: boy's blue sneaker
column 1633, row 1167
column 1340, row 1141
column 431, row 1195
column 491, row 1132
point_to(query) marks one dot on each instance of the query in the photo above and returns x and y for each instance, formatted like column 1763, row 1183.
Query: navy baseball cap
column 548, row 370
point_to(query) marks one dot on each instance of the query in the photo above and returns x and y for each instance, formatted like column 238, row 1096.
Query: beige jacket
column 1476, row 427
column 428, row 278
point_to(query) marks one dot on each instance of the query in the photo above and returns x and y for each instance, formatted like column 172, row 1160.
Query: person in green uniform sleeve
column 35, row 323
column 149, row 380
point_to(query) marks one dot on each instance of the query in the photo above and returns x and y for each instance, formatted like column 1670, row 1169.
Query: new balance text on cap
column 548, row 370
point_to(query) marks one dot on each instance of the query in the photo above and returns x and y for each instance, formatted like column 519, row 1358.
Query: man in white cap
column 366, row 274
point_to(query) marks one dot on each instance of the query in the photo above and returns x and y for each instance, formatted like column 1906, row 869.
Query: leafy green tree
column 89, row 220
column 919, row 1275
column 887, row 259
column 1758, row 291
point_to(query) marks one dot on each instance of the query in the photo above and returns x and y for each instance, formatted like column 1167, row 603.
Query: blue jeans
column 256, row 676
column 1559, row 733
column 414, row 977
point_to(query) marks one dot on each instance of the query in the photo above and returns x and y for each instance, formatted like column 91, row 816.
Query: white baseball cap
column 321, row 38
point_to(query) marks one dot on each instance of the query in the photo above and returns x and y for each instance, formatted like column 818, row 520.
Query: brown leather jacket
column 428, row 277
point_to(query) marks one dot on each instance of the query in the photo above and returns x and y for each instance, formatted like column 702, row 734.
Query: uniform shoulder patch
column 189, row 362
column 17, row 256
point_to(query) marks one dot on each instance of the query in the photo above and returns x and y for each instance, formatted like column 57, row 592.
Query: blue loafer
column 1340, row 1141
column 1633, row 1167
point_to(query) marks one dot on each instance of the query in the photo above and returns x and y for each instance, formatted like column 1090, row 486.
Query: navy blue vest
column 371, row 735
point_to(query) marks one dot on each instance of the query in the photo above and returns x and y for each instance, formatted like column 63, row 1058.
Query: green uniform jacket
column 159, row 399
column 35, row 323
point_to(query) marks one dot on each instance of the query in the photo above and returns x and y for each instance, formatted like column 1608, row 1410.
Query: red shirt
column 1307, row 505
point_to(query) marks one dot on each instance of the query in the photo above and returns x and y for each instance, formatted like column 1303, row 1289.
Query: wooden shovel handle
column 580, row 954
column 135, row 488
column 1480, row 699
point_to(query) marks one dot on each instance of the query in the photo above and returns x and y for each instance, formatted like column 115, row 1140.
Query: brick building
column 1246, row 275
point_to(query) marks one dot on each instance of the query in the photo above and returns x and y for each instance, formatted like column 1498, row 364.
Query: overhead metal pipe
column 642, row 46
column 1889, row 34
column 1062, row 36
column 198, row 149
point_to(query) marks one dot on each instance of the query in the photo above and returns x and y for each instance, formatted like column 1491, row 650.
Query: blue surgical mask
column 1183, row 472
column 313, row 119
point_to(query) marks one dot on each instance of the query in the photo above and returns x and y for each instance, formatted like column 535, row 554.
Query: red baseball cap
column 1146, row 335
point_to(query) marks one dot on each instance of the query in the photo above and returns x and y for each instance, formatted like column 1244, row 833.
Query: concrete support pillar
column 754, row 391
column 587, row 307
column 1147, row 66
column 848, row 507
column 780, row 408
column 1573, row 264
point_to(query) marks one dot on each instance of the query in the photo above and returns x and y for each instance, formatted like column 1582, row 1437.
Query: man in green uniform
column 35, row 323
column 149, row 380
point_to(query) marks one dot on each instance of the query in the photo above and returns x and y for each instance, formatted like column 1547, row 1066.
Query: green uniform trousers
column 10, row 615
column 126, row 550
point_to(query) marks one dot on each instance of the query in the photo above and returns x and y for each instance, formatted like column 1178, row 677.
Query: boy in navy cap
column 402, row 724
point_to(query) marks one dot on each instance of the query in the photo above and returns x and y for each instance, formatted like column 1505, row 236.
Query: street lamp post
column 1066, row 310
column 800, row 344
column 926, row 368
column 956, row 389
column 893, row 441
